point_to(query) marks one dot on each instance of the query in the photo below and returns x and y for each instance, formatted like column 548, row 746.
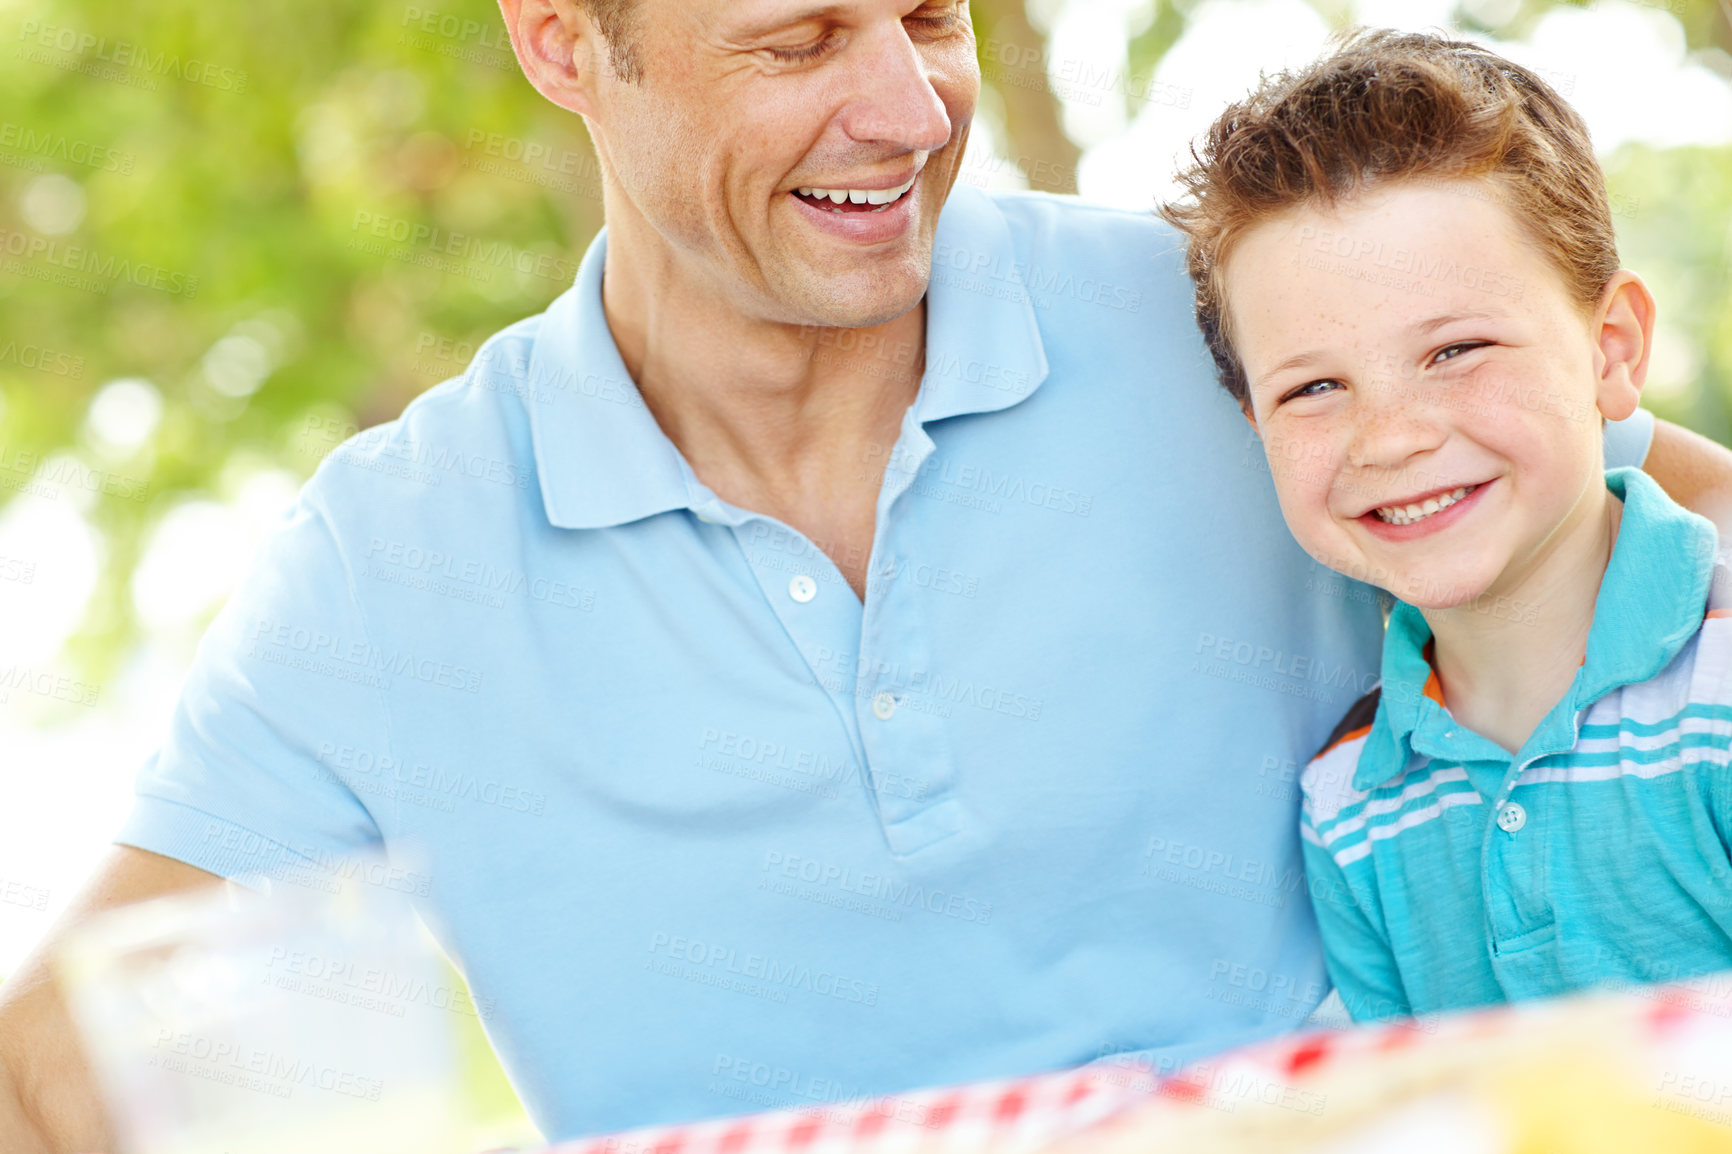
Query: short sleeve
column 1360, row 962
column 1627, row 440
column 283, row 676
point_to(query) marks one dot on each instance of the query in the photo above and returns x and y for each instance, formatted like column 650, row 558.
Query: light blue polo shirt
column 705, row 834
column 1448, row 872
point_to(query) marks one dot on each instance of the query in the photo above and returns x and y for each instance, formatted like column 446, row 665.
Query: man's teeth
column 874, row 196
column 1408, row 514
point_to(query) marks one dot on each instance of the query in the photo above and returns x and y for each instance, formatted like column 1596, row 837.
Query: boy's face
column 1408, row 349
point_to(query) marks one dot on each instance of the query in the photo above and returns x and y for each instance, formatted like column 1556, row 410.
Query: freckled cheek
column 1304, row 470
column 1309, row 446
column 1306, row 512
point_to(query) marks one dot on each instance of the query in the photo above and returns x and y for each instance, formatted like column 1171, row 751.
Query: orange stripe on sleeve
column 1344, row 739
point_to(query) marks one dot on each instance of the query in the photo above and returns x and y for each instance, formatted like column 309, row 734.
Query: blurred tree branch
column 1013, row 62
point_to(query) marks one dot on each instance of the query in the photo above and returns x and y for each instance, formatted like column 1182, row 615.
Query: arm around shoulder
column 1693, row 470
column 48, row 1100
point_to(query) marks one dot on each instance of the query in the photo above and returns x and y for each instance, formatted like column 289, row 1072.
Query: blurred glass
column 304, row 1021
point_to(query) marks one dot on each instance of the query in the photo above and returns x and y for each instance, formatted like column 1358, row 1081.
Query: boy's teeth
column 1408, row 514
column 873, row 196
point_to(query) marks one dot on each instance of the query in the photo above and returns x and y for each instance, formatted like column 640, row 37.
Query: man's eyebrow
column 771, row 22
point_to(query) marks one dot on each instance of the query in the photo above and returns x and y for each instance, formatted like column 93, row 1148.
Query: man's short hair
column 617, row 20
column 1383, row 107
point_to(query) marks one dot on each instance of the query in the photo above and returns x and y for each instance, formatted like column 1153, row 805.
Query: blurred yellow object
column 1574, row 1105
column 1605, row 1074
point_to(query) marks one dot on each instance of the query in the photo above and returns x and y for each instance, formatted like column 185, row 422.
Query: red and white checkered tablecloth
column 1016, row 1115
column 1012, row 1116
column 1026, row 1115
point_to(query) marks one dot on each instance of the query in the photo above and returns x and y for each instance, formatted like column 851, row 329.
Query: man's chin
column 862, row 305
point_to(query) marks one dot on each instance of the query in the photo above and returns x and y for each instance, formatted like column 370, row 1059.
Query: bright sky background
column 68, row 787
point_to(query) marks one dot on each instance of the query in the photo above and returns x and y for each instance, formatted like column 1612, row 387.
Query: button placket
column 907, row 747
column 903, row 758
column 808, row 595
column 1513, row 854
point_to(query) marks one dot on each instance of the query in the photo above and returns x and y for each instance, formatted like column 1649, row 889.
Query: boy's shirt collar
column 1651, row 601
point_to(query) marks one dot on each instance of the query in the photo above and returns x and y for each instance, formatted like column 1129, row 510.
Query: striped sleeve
column 1361, row 964
column 1359, row 959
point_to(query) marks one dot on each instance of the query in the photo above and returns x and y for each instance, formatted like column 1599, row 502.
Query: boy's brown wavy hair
column 1382, row 107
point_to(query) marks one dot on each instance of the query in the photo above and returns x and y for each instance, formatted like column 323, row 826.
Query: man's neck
column 791, row 421
column 1505, row 660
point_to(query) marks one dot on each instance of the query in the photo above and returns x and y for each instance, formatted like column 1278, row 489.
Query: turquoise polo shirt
column 1448, row 873
column 706, row 833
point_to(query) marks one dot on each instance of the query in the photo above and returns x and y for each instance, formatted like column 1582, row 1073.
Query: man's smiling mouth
column 855, row 199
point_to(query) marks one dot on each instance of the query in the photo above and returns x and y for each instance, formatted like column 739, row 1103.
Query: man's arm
column 48, row 1101
column 1694, row 471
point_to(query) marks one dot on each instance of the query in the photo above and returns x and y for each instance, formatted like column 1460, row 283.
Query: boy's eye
column 1450, row 352
column 1310, row 389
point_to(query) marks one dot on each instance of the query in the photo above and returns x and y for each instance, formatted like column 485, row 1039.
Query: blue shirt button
column 1511, row 817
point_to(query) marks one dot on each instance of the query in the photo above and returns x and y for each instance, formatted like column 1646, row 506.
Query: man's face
column 744, row 103
column 1425, row 388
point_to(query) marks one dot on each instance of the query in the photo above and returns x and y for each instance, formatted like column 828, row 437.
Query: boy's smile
column 1427, row 513
column 1427, row 391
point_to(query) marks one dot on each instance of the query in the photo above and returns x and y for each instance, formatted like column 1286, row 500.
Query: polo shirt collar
column 600, row 455
column 983, row 345
column 602, row 459
column 1651, row 602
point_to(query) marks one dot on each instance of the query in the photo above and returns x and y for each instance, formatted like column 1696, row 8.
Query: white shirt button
column 883, row 706
column 802, row 588
column 1511, row 817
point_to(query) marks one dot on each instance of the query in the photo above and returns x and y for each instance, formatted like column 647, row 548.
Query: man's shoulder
column 1067, row 227
column 1089, row 268
column 463, row 443
column 1066, row 212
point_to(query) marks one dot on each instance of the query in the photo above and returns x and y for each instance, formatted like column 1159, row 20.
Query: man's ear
column 1623, row 333
column 559, row 48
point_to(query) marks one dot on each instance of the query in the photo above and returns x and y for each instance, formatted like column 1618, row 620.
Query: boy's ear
column 1623, row 334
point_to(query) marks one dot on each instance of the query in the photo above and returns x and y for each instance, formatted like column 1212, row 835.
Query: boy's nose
column 1391, row 422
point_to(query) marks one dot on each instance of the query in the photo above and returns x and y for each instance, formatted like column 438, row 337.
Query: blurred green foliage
column 232, row 158
column 1674, row 216
column 237, row 163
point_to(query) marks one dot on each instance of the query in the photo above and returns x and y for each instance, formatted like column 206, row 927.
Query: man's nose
column 895, row 100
